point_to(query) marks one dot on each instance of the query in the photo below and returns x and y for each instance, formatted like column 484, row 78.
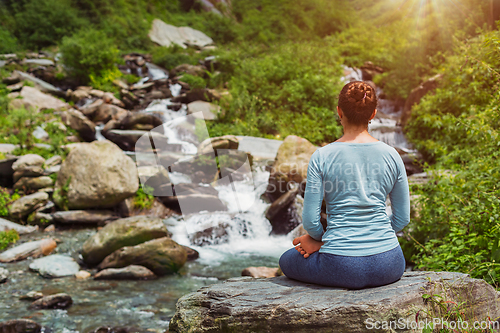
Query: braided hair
column 358, row 100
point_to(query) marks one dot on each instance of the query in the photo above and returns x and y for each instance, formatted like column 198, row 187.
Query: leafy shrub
column 171, row 57
column 40, row 23
column 90, row 54
column 8, row 43
column 7, row 237
column 143, row 198
column 195, row 82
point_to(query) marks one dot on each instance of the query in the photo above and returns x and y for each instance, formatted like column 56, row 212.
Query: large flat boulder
column 165, row 35
column 55, row 266
column 129, row 231
column 95, row 175
column 283, row 305
column 32, row 98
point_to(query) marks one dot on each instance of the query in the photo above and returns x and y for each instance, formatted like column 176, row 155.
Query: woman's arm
column 400, row 199
column 313, row 197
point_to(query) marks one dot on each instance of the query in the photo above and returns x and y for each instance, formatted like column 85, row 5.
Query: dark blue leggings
column 343, row 271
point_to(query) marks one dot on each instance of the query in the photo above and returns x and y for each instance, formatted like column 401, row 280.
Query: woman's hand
column 306, row 245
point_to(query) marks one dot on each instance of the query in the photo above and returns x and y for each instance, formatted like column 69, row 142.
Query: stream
column 149, row 305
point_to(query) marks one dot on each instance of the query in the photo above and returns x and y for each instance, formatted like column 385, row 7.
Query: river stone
column 208, row 110
column 32, row 98
column 56, row 301
column 55, row 266
column 4, row 274
column 6, row 225
column 290, row 165
column 28, row 171
column 40, row 84
column 162, row 256
column 29, row 249
column 127, row 139
column 283, row 213
column 7, row 148
column 77, row 121
column 139, row 118
column 33, row 183
column 20, row 326
column 129, row 231
column 283, row 305
column 28, row 160
column 53, row 161
column 154, row 177
column 221, row 142
column 84, row 216
column 132, row 272
column 24, row 206
column 99, row 175
column 106, row 112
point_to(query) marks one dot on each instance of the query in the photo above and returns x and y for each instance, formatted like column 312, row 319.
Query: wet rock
column 417, row 94
column 208, row 111
column 194, row 203
column 50, row 228
column 123, row 232
column 20, row 326
column 132, row 272
column 154, row 177
column 127, row 139
column 6, row 225
column 23, row 206
column 4, row 274
column 166, row 35
column 280, row 213
column 32, row 98
column 221, row 142
column 162, row 256
column 195, row 70
column 33, row 183
column 127, row 208
column 57, row 301
column 120, row 84
column 38, row 62
column 139, row 118
column 290, row 165
column 77, row 121
column 55, row 266
column 113, row 176
column 175, row 106
column 32, row 296
column 106, row 112
column 99, row 217
column 40, row 84
column 39, row 218
column 30, row 249
column 28, row 160
column 283, row 305
column 118, row 329
column 260, row 272
column 192, row 254
column 211, row 235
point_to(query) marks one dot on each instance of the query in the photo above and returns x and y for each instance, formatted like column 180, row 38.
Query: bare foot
column 306, row 245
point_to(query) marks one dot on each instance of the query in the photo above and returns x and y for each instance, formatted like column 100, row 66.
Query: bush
column 195, row 82
column 171, row 57
column 40, row 23
column 8, row 43
column 89, row 54
column 7, row 237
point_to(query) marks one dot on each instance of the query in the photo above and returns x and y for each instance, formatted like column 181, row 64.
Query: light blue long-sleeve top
column 355, row 179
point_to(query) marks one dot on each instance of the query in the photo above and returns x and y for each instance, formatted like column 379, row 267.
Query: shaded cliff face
column 284, row 305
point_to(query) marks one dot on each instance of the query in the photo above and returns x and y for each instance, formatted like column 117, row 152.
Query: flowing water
column 149, row 305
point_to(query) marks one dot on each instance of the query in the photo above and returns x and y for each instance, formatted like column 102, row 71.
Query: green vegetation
column 458, row 128
column 7, row 237
column 143, row 198
column 5, row 200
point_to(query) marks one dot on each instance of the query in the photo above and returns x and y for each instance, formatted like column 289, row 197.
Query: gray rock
column 139, row 118
column 39, row 62
column 6, row 225
column 283, row 305
column 4, row 274
column 29, row 249
column 84, row 216
column 40, row 133
column 2, row 63
column 28, row 160
column 77, row 121
column 53, row 161
column 20, row 326
column 162, row 256
column 195, row 70
column 32, row 98
column 153, row 176
column 6, row 170
column 208, row 111
column 55, row 266
column 7, row 148
column 124, row 232
column 40, row 84
column 28, row 171
column 33, row 183
column 32, row 295
column 106, row 112
column 40, row 219
column 166, row 35
column 283, row 214
column 98, row 174
column 261, row 272
column 22, row 207
column 132, row 272
column 57, row 301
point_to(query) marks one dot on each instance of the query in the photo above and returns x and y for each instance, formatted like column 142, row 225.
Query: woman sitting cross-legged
column 354, row 175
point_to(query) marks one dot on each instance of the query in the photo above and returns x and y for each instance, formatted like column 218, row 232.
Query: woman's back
column 356, row 179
